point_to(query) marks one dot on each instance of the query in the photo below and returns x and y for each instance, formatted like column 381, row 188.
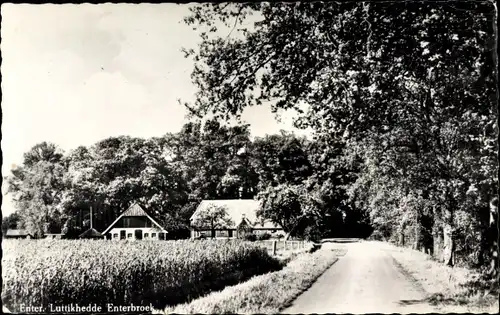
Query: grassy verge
column 264, row 294
column 457, row 290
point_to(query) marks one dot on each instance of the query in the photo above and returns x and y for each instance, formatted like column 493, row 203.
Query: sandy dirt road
column 365, row 280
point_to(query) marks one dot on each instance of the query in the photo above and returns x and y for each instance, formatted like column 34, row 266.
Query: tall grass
column 61, row 272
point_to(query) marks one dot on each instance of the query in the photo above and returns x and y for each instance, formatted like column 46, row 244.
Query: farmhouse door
column 138, row 234
column 122, row 235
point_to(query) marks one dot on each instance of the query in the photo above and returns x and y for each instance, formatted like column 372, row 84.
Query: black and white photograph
column 300, row 157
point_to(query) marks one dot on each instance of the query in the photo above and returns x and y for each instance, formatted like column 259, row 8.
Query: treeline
column 170, row 175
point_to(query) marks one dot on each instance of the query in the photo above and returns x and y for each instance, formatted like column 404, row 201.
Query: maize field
column 83, row 272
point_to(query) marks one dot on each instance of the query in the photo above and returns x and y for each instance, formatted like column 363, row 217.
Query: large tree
column 213, row 159
column 281, row 159
column 284, row 205
column 36, row 187
column 212, row 217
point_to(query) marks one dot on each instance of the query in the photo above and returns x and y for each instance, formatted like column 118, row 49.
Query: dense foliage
column 124, row 273
column 403, row 92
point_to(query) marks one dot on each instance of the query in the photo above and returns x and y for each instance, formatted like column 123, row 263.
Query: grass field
column 61, row 272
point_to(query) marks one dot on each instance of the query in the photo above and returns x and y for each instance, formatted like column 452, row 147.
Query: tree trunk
column 402, row 238
column 483, row 248
column 438, row 243
column 449, row 242
column 416, row 244
column 287, row 236
column 493, row 235
column 449, row 245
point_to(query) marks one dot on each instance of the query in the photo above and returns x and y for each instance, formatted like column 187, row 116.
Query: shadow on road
column 434, row 299
column 340, row 240
column 411, row 302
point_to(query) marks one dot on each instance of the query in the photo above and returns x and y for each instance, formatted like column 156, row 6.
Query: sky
column 76, row 74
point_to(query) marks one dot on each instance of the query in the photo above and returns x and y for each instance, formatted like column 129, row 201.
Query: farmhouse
column 241, row 212
column 135, row 224
column 17, row 233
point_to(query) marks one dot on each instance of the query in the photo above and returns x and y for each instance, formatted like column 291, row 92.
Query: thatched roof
column 91, row 233
column 135, row 210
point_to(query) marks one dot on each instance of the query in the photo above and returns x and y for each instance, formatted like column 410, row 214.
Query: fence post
column 274, row 247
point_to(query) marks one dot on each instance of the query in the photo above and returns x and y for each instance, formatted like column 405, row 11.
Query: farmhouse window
column 129, row 235
column 222, row 233
column 161, row 236
column 115, row 235
column 146, row 235
column 153, row 235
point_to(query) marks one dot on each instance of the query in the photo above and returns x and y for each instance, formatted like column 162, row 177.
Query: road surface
column 365, row 280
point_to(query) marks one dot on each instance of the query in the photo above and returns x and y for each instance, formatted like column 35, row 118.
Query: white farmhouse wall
column 130, row 233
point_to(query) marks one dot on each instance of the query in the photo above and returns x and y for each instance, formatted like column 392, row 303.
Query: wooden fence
column 275, row 246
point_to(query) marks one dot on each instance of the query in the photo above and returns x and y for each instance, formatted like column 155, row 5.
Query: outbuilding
column 91, row 234
column 17, row 233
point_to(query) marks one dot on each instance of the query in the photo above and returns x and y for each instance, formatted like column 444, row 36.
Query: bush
column 279, row 236
column 263, row 237
column 312, row 234
column 59, row 272
column 377, row 236
column 250, row 237
column 314, row 248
